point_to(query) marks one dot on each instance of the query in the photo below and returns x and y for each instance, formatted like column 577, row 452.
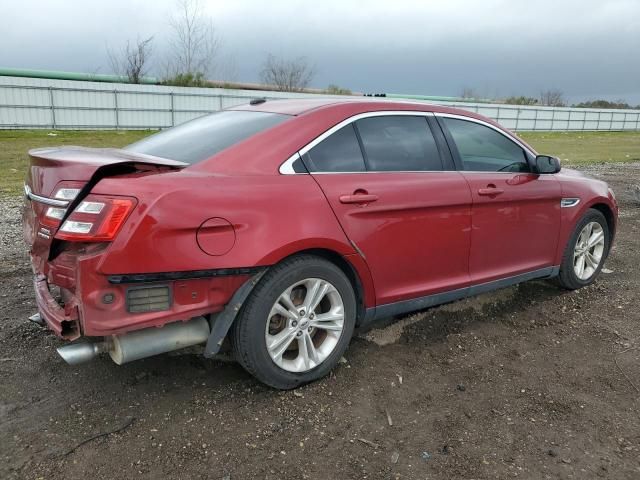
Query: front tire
column 585, row 252
column 296, row 324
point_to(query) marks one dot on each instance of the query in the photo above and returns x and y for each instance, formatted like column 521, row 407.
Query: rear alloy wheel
column 304, row 325
column 585, row 252
column 297, row 323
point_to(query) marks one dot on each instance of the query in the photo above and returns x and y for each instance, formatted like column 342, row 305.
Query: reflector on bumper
column 148, row 299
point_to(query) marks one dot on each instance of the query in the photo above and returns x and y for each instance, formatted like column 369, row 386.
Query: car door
column 516, row 213
column 384, row 179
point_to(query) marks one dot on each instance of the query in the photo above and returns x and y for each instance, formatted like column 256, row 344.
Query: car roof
column 264, row 152
column 300, row 106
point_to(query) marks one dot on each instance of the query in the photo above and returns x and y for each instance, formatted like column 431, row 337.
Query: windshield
column 203, row 137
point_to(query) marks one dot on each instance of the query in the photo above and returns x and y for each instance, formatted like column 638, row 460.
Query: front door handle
column 360, row 198
column 490, row 191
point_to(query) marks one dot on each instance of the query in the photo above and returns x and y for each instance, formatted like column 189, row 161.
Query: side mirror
column 547, row 164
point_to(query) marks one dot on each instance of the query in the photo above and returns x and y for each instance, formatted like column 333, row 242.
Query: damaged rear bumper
column 90, row 304
column 64, row 321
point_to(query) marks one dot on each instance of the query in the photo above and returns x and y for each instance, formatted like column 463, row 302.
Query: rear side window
column 482, row 149
column 340, row 152
column 203, row 137
column 399, row 143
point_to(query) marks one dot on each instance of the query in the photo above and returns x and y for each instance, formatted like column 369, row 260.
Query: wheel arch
column 609, row 216
column 347, row 267
column 571, row 216
column 357, row 275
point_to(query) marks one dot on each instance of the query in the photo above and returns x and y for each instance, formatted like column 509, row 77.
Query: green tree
column 187, row 80
column 600, row 103
column 521, row 100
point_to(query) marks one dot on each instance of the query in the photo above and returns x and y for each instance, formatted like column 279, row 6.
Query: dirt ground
column 529, row 382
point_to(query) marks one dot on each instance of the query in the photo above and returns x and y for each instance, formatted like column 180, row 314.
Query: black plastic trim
column 168, row 276
column 363, row 152
column 222, row 321
column 405, row 306
column 453, row 149
column 446, row 159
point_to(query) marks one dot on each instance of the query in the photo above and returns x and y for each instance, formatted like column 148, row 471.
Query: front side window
column 399, row 143
column 482, row 149
column 339, row 152
column 203, row 137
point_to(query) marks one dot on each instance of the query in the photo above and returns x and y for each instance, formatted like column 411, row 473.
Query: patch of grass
column 573, row 148
column 14, row 145
column 583, row 148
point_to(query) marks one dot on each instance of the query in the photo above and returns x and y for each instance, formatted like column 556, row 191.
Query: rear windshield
column 203, row 137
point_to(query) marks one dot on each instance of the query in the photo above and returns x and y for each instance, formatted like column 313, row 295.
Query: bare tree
column 552, row 98
column 133, row 60
column 288, row 75
column 194, row 44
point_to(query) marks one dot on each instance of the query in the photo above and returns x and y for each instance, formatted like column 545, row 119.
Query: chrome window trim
column 385, row 171
column 287, row 167
column 568, row 202
column 46, row 200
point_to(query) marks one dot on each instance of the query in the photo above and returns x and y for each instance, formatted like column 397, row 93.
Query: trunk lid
column 49, row 166
column 74, row 167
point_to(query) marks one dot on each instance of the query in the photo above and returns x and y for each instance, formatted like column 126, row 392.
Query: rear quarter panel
column 273, row 216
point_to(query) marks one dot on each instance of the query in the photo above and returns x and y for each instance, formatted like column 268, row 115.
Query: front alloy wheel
column 588, row 251
column 585, row 251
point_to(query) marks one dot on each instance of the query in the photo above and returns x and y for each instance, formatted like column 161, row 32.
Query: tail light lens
column 66, row 191
column 98, row 218
column 54, row 215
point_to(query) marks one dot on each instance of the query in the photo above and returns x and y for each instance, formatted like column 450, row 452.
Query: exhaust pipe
column 142, row 343
column 78, row 353
column 154, row 341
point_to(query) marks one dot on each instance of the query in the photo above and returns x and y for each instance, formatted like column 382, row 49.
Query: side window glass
column 340, row 152
column 482, row 149
column 399, row 143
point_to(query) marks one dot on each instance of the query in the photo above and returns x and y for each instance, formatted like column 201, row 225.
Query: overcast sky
column 587, row 48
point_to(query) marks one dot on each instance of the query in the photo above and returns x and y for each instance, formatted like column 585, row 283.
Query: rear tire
column 296, row 324
column 585, row 252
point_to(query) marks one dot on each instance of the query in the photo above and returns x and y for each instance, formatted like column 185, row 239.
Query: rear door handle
column 358, row 198
column 490, row 191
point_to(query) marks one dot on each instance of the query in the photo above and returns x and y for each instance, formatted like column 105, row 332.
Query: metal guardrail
column 70, row 107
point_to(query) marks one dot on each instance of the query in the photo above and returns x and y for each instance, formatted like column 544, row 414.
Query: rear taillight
column 97, row 218
column 65, row 191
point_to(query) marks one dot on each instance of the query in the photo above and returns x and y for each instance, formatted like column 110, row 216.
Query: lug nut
column 310, row 328
column 311, row 315
column 294, row 324
column 298, row 334
column 302, row 312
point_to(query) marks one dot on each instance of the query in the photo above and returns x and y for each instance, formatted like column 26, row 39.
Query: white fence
column 66, row 104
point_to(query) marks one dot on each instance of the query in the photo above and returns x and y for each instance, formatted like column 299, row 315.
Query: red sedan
column 285, row 225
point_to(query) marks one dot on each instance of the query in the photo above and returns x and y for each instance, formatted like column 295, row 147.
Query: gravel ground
column 11, row 244
column 528, row 382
